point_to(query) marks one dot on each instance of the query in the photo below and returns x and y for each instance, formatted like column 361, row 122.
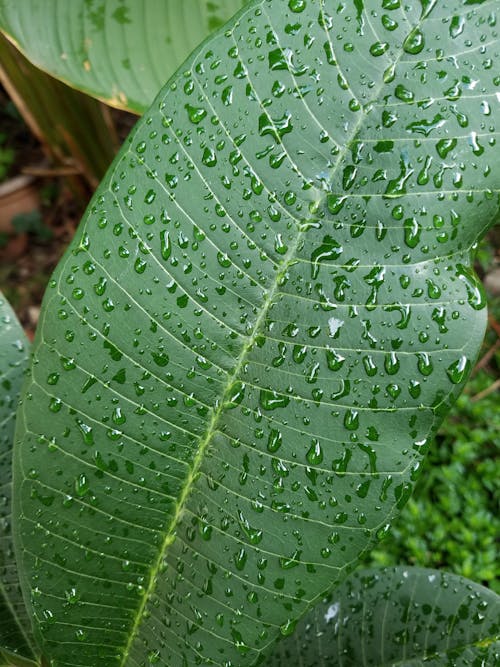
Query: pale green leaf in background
column 267, row 311
column 14, row 354
column 120, row 52
column 405, row 616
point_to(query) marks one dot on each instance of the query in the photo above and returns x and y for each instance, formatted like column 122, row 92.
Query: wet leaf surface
column 14, row 352
column 267, row 311
column 405, row 616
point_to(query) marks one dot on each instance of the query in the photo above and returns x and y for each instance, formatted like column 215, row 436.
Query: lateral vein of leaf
column 128, row 437
column 216, row 198
column 291, row 515
column 277, row 203
column 149, row 316
column 78, row 573
column 135, row 363
column 223, row 568
column 162, row 455
column 427, row 99
column 162, row 266
column 102, row 604
column 85, row 547
column 294, row 464
column 162, row 381
column 200, row 591
column 93, row 508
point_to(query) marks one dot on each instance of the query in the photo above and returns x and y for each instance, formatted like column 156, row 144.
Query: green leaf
column 119, row 51
column 8, row 659
column 267, row 311
column 403, row 616
column 14, row 355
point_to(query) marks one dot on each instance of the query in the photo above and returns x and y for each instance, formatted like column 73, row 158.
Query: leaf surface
column 119, row 51
column 403, row 616
column 14, row 355
column 264, row 316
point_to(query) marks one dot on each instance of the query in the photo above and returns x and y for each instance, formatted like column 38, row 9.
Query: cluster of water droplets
column 14, row 351
column 267, row 312
column 347, row 622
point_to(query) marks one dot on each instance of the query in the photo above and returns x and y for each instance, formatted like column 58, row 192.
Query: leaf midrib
column 271, row 293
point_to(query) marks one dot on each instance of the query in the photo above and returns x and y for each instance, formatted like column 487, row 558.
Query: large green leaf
column 265, row 314
column 398, row 616
column 121, row 51
column 14, row 354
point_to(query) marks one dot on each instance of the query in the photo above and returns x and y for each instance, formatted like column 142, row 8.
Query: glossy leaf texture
column 264, row 316
column 120, row 51
column 403, row 616
column 14, row 355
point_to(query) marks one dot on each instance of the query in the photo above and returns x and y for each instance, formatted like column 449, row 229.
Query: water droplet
column 209, row 157
column 351, row 420
column 288, row 628
column 274, row 441
column 457, row 26
column 404, row 94
column 271, row 400
column 458, row 370
column 379, row 48
column 236, row 394
column 334, row 360
column 424, row 364
column 166, row 245
column 160, row 358
column 389, row 23
column 315, row 454
column 81, row 485
column 415, row 42
column 276, row 127
column 445, row 146
column 412, row 231
column 195, row 114
column 476, row 297
column 154, row 657
column 150, row 197
column 240, row 559
column 86, row 432
column 391, row 364
column 279, row 245
column 329, row 250
column 363, row 488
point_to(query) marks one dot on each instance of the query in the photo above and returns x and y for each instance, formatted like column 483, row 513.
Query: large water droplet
column 458, row 370
column 415, row 42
